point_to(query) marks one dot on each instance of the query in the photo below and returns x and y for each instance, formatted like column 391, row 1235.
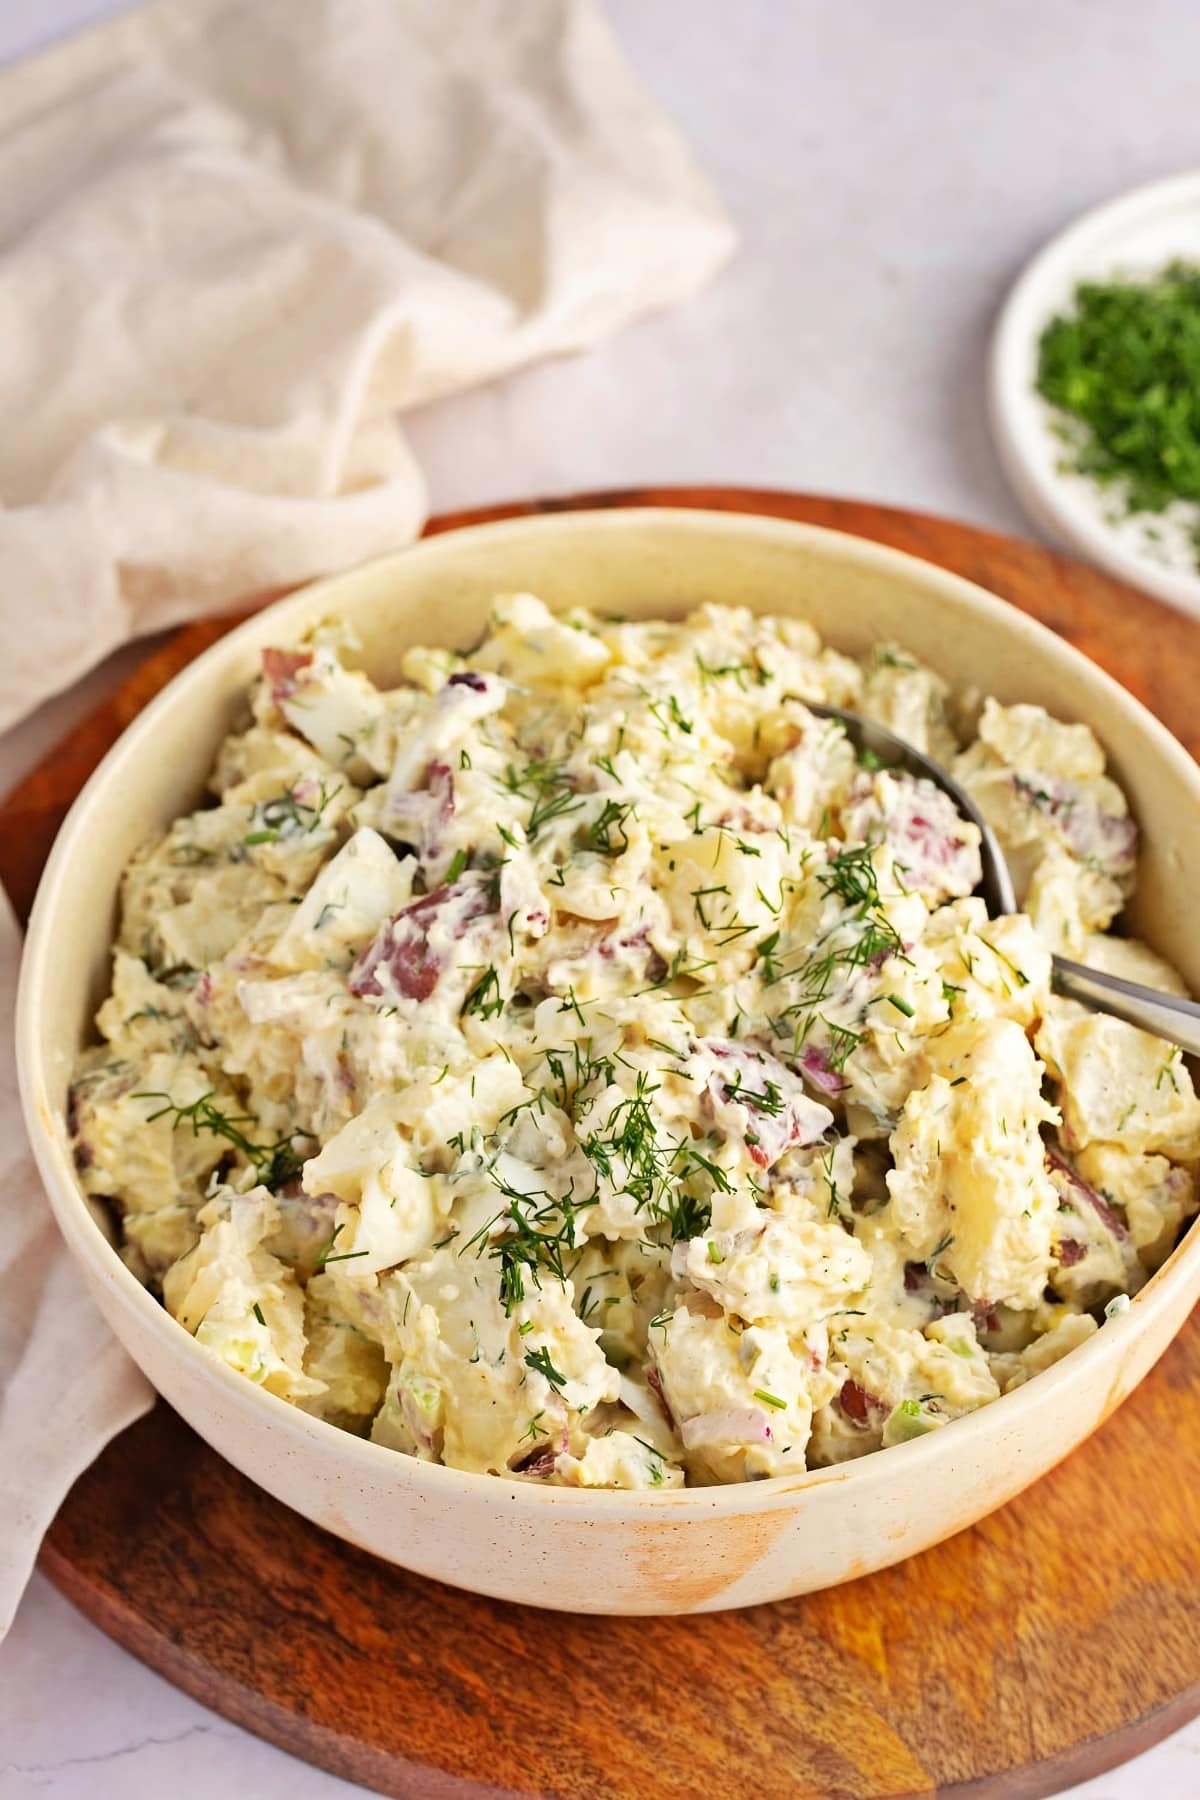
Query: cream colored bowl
column 693, row 1549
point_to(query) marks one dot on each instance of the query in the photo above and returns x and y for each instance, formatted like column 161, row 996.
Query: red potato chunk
column 753, row 1095
column 408, row 955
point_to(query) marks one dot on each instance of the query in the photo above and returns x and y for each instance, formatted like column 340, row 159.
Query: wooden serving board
column 1053, row 1640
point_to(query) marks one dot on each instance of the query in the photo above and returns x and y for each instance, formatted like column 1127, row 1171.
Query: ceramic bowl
column 693, row 1549
column 1133, row 236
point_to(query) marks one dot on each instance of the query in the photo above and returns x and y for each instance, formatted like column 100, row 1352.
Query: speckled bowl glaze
column 693, row 1549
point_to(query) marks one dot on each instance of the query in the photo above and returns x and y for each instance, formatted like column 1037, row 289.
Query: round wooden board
column 1053, row 1640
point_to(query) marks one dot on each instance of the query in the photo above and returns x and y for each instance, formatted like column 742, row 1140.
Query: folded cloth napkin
column 66, row 1385
column 239, row 235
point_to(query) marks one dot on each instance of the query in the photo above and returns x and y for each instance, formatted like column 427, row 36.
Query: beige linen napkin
column 66, row 1385
column 235, row 237
column 240, row 235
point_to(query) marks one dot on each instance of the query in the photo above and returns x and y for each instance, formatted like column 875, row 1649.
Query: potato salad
column 576, row 1064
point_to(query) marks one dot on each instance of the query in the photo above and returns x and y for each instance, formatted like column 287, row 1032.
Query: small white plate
column 1134, row 235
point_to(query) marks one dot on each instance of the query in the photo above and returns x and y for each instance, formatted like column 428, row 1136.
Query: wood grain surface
column 1051, row 1641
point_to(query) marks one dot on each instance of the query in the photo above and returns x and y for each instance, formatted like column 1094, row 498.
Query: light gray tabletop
column 891, row 168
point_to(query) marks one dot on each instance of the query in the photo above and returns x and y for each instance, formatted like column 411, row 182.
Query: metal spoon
column 1164, row 1015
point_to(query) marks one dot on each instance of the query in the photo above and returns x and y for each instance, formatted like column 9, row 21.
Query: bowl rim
column 92, row 1249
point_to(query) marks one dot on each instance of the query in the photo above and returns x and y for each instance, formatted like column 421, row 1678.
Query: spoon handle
column 1165, row 1015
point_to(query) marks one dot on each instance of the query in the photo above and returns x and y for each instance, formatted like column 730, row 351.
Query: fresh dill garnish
column 768, row 1100
column 540, row 1361
column 700, row 895
column 828, row 1161
column 843, row 1042
column 273, row 1164
column 648, row 1447
column 681, row 968
column 738, row 670
column 669, row 1179
column 765, row 953
column 863, row 938
column 569, row 1004
column 536, row 1240
column 607, row 833
column 548, row 787
column 938, row 1250
column 674, row 716
column 325, row 1253
column 1124, row 367
column 851, row 876
column 1020, row 976
column 146, row 1012
column 586, row 1305
column 887, row 656
column 288, row 817
column 485, row 997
